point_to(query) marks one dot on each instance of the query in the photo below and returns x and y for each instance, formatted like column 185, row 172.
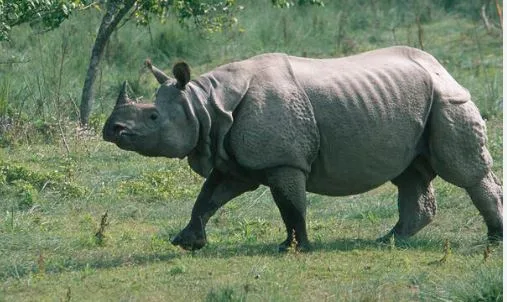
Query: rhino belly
column 361, row 151
column 371, row 119
column 346, row 170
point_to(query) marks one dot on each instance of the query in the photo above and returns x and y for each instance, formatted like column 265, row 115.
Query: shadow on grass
column 56, row 266
column 227, row 250
column 422, row 244
column 222, row 250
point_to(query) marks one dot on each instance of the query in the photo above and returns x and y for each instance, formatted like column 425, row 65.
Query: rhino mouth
column 120, row 135
column 122, row 131
column 126, row 138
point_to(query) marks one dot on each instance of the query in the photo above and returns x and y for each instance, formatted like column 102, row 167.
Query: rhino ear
column 159, row 74
column 123, row 97
column 181, row 72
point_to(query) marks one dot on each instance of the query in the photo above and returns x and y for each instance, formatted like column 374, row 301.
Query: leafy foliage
column 172, row 184
column 288, row 3
column 46, row 14
column 49, row 14
column 28, row 182
column 208, row 16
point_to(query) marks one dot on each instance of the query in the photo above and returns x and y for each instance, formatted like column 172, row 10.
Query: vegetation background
column 58, row 180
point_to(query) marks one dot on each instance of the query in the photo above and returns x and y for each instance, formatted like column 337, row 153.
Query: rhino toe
column 189, row 240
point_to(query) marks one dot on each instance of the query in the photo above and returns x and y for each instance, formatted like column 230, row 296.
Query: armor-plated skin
column 329, row 126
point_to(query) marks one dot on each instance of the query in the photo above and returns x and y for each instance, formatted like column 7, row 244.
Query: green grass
column 57, row 181
column 49, row 250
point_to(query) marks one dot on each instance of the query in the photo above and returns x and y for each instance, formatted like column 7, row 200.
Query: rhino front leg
column 416, row 201
column 288, row 187
column 216, row 191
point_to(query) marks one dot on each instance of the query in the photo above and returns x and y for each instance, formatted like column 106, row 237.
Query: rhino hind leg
column 459, row 155
column 487, row 198
column 416, row 201
column 289, row 192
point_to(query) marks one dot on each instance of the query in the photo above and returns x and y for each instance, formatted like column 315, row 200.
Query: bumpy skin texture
column 330, row 126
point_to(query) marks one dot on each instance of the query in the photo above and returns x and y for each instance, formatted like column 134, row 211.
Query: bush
column 29, row 182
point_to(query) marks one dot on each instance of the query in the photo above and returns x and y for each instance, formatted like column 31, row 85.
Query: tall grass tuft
column 484, row 285
column 225, row 294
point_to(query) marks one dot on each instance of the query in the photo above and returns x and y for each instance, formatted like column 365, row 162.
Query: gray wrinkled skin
column 329, row 126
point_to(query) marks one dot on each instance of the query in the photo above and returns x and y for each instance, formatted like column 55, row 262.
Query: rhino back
column 371, row 111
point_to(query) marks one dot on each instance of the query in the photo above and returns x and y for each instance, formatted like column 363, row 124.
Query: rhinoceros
column 336, row 127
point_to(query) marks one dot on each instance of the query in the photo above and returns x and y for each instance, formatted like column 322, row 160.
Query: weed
column 225, row 294
column 68, row 295
column 447, row 251
column 177, row 269
column 29, row 181
column 100, row 235
column 487, row 253
column 41, row 264
column 26, row 193
column 163, row 185
column 486, row 285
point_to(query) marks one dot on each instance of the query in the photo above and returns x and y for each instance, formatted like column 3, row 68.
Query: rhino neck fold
column 200, row 158
column 214, row 104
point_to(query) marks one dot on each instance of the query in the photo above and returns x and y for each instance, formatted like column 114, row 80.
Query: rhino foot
column 189, row 240
column 390, row 236
column 284, row 246
column 304, row 248
column 300, row 247
column 495, row 235
column 384, row 239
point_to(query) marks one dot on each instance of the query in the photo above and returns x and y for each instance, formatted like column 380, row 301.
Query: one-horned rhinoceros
column 329, row 126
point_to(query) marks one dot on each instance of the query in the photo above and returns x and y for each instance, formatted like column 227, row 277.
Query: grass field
column 57, row 181
column 54, row 202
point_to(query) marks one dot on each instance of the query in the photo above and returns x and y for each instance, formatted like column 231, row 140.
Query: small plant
column 96, row 121
column 252, row 230
column 27, row 194
column 41, row 263
column 158, row 243
column 392, row 243
column 178, row 183
column 100, row 235
column 485, row 285
column 487, row 253
column 447, row 251
column 225, row 294
column 68, row 295
column 178, row 269
column 30, row 182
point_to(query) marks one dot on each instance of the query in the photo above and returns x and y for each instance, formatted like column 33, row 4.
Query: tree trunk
column 114, row 13
column 484, row 15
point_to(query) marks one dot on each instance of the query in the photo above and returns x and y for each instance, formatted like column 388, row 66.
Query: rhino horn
column 159, row 74
column 123, row 96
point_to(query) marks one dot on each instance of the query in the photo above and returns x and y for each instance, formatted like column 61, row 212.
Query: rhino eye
column 153, row 116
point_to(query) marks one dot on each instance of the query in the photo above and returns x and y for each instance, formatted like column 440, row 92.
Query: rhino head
column 168, row 127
